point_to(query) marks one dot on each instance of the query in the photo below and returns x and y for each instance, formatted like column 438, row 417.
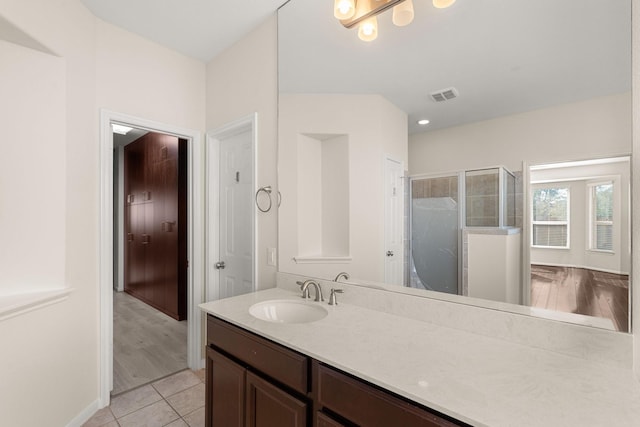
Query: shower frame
column 462, row 214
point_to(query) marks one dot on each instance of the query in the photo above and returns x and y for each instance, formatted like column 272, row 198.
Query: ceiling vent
column 444, row 94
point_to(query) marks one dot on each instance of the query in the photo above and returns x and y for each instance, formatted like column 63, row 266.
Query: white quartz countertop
column 480, row 380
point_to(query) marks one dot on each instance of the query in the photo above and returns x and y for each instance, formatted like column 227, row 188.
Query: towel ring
column 267, row 191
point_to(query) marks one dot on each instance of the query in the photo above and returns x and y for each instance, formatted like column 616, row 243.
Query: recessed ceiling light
column 423, row 122
column 120, row 129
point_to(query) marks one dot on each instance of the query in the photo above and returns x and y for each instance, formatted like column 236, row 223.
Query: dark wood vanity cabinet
column 253, row 382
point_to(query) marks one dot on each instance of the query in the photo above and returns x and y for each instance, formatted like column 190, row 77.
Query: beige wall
column 635, row 185
column 143, row 79
column 32, row 210
column 374, row 127
column 241, row 81
column 50, row 356
column 598, row 127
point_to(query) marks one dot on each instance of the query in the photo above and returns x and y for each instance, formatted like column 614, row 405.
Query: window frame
column 592, row 221
column 566, row 223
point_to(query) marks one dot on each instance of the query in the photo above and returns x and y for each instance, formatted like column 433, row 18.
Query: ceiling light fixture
column 344, row 9
column 368, row 29
column 441, row 4
column 423, row 122
column 363, row 13
column 403, row 13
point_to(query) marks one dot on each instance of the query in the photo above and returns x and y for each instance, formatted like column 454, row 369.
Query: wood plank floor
column 147, row 344
column 582, row 291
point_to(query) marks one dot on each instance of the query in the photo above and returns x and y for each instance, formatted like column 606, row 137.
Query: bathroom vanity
column 254, row 382
column 370, row 367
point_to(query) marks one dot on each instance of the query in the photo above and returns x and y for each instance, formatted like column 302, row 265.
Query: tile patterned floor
column 174, row 401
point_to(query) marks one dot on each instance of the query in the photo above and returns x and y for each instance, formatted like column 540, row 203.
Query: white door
column 393, row 222
column 236, row 197
column 230, row 210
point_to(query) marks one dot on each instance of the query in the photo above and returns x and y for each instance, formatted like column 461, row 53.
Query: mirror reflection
column 516, row 192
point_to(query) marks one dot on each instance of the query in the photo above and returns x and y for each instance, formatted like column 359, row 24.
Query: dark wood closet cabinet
column 155, row 222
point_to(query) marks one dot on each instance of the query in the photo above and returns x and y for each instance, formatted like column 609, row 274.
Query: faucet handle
column 305, row 291
column 332, row 297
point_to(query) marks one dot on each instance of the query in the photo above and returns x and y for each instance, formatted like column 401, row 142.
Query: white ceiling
column 198, row 28
column 503, row 56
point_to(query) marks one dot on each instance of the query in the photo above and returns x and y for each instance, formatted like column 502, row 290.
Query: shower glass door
column 435, row 233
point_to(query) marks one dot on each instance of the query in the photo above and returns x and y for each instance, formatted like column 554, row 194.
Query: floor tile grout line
column 161, row 398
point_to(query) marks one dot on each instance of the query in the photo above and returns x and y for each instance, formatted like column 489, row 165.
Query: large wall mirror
column 514, row 196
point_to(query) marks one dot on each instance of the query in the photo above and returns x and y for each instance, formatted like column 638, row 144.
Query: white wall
column 240, row 81
column 140, row 78
column 494, row 266
column 32, row 170
column 598, row 127
column 374, row 127
column 50, row 356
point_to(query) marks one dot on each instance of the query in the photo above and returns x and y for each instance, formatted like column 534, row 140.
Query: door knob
column 220, row 265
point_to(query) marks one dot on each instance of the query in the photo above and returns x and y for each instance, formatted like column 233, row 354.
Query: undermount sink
column 287, row 311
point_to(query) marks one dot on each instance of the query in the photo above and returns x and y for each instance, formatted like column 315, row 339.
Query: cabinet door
column 323, row 420
column 269, row 406
column 225, row 391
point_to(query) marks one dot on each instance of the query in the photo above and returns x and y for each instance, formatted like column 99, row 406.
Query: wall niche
column 323, row 197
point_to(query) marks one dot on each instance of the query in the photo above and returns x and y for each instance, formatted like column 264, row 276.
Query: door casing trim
column 195, row 248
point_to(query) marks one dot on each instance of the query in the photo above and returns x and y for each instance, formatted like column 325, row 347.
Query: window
column 550, row 225
column 601, row 216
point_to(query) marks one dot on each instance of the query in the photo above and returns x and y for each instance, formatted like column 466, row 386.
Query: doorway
column 107, row 262
column 579, row 240
column 150, row 256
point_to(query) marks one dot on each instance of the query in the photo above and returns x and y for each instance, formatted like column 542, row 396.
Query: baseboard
column 85, row 415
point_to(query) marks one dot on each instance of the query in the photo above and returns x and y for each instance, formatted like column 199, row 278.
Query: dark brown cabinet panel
column 268, row 405
column 288, row 367
column 155, row 184
column 365, row 405
column 238, row 393
column 323, row 420
column 225, row 392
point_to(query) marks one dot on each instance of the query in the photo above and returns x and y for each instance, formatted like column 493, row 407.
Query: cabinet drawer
column 284, row 365
column 366, row 405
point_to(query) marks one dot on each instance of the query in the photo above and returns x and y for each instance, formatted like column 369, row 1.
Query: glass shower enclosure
column 435, row 233
column 440, row 206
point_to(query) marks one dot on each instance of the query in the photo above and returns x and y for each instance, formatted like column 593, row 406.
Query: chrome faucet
column 305, row 290
column 332, row 298
column 343, row 274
